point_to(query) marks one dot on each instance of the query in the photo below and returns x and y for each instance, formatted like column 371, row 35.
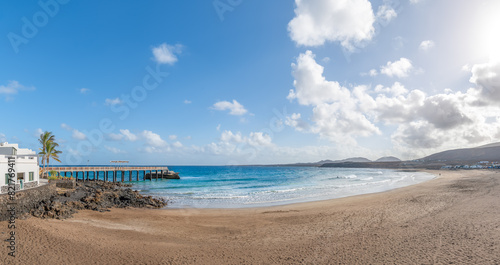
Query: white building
column 25, row 166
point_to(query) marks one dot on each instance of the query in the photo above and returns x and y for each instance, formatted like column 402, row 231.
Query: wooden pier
column 115, row 174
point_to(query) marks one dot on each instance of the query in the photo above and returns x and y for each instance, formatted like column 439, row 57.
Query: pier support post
column 123, row 176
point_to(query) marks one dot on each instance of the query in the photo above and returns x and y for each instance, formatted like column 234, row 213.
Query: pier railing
column 118, row 173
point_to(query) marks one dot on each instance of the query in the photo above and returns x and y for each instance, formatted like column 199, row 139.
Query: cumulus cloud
column 12, row 88
column 385, row 14
column 396, row 89
column 75, row 134
column 115, row 136
column 128, row 135
column 172, row 137
column 335, row 113
column 237, row 144
column 426, row 45
column 311, row 87
column 235, row 108
column 153, row 139
column 166, row 54
column 423, row 122
column 295, row 121
column 487, row 78
column 113, row 101
column 400, row 68
column 114, row 150
column 320, row 21
column 177, row 144
column 444, row 111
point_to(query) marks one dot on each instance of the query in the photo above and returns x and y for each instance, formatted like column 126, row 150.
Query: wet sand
column 454, row 218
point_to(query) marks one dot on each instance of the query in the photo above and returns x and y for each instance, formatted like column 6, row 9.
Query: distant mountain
column 353, row 159
column 323, row 162
column 490, row 152
column 388, row 159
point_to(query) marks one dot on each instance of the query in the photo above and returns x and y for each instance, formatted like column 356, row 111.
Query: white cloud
column 2, row 138
column 235, row 108
column 296, row 122
column 84, row 90
column 335, row 114
column 228, row 136
column 153, row 139
column 423, row 123
column 218, row 127
column 78, row 135
column 172, row 137
column 66, row 127
column 385, row 14
column 177, row 144
column 235, row 144
column 319, row 21
column 396, row 89
column 115, row 136
column 326, row 59
column 426, row 45
column 487, row 78
column 114, row 101
column 373, row 72
column 187, row 101
column 400, row 68
column 114, row 150
column 415, row 1
column 259, row 139
column 311, row 88
column 13, row 87
column 128, row 135
column 166, row 54
column 38, row 132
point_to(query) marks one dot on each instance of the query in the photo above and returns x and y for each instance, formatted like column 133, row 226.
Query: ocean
column 256, row 186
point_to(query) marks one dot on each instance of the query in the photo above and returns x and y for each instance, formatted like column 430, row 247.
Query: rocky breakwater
column 97, row 196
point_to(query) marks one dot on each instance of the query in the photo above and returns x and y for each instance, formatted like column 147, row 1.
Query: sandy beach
column 451, row 219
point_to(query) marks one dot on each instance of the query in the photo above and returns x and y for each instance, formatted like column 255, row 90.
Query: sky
column 239, row 82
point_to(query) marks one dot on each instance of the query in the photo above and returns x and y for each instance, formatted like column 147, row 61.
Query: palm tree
column 47, row 139
column 51, row 152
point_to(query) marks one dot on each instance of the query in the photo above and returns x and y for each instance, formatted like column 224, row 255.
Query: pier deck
column 113, row 173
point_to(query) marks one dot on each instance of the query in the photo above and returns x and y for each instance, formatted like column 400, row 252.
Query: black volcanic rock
column 98, row 196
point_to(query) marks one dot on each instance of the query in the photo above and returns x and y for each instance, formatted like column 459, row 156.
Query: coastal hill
column 323, row 162
column 489, row 152
column 388, row 159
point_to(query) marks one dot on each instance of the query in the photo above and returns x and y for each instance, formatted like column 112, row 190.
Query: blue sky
column 247, row 82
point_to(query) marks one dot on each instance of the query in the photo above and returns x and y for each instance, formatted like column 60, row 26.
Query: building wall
column 23, row 164
column 26, row 200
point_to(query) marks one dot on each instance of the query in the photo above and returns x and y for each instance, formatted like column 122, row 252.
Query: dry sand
column 452, row 219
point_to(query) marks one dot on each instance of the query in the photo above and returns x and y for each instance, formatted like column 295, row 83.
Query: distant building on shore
column 25, row 166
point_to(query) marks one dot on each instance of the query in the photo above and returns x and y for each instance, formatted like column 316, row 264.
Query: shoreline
column 451, row 218
column 311, row 190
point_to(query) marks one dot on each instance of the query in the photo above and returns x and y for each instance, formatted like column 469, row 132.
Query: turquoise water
column 238, row 187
